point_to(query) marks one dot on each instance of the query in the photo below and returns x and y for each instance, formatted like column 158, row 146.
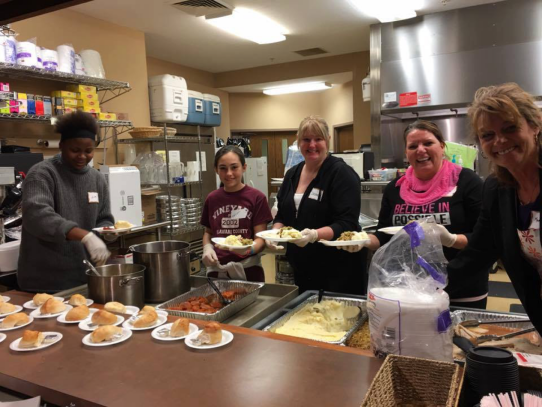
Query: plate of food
column 76, row 315
column 180, row 329
column 107, row 335
column 15, row 321
column 39, row 300
column 348, row 239
column 77, row 300
column 2, row 337
column 98, row 318
column 7, row 308
column 4, row 298
column 210, row 337
column 120, row 308
column 391, row 230
column 35, row 340
column 51, row 309
column 233, row 241
column 121, row 226
column 284, row 234
column 145, row 320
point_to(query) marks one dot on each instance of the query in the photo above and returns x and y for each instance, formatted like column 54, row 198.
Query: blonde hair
column 315, row 125
column 511, row 103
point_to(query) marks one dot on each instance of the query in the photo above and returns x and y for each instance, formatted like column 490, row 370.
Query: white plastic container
column 9, row 256
column 212, row 109
column 124, row 193
column 168, row 96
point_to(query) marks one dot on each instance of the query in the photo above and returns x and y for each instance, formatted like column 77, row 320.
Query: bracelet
column 250, row 252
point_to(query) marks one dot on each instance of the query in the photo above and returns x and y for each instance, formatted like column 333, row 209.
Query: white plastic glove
column 446, row 238
column 209, row 255
column 272, row 246
column 307, row 236
column 353, row 248
column 96, row 248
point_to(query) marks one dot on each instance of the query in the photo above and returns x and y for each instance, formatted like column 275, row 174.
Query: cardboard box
column 70, row 102
column 124, row 256
column 23, row 106
column 14, row 106
column 91, row 103
column 64, row 94
column 122, row 116
column 124, row 192
column 90, row 109
column 70, row 109
column 20, row 96
column 81, row 88
column 88, row 96
column 47, row 106
column 31, row 106
column 148, row 206
column 4, row 87
column 107, row 116
column 39, row 108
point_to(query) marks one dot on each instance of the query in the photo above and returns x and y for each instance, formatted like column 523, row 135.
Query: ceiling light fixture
column 387, row 11
column 249, row 25
column 297, row 87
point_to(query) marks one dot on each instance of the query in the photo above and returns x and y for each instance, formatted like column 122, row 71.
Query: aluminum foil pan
column 313, row 300
column 464, row 315
column 253, row 289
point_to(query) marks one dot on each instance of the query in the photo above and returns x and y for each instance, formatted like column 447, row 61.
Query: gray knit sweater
column 55, row 200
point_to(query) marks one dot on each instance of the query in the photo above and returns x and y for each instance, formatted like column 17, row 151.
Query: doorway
column 273, row 145
column 343, row 137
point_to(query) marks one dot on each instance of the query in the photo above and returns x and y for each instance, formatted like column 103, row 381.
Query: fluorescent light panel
column 250, row 25
column 388, row 10
column 298, row 87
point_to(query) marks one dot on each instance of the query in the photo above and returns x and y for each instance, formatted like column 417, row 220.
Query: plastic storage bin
column 383, row 174
column 168, row 98
column 9, row 256
column 196, row 111
column 212, row 109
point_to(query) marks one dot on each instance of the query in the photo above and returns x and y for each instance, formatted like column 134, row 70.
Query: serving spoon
column 92, row 268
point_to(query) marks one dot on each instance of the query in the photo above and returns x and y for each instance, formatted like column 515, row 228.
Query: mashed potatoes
column 289, row 232
column 122, row 224
column 347, row 236
column 238, row 240
column 322, row 321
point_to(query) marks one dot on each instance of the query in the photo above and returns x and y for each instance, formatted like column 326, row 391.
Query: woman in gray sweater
column 63, row 200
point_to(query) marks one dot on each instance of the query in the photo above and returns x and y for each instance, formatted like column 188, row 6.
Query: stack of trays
column 163, row 211
column 190, row 211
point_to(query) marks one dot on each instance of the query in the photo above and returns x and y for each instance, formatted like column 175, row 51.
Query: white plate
column 273, row 236
column 113, row 231
column 340, row 243
column 15, row 344
column 37, row 313
column 18, row 308
column 84, row 324
column 130, row 309
column 391, row 230
column 5, row 299
column 62, row 317
column 220, row 241
column 2, row 337
column 30, row 304
column 191, row 329
column 126, row 333
column 88, row 304
column 15, row 327
column 227, row 337
column 162, row 319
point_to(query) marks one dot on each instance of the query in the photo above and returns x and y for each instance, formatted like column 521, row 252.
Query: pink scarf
column 442, row 183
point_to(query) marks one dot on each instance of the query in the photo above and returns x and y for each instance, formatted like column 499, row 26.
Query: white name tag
column 93, row 197
column 316, row 194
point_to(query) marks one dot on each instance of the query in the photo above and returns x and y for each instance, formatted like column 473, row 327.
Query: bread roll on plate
column 105, row 333
column 39, row 299
column 145, row 309
column 211, row 334
column 146, row 320
column 181, row 327
column 20, row 318
column 77, row 299
column 78, row 313
column 102, row 317
column 114, row 306
column 52, row 306
column 6, row 307
column 31, row 339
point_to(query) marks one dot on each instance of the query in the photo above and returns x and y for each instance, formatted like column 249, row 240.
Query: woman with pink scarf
column 435, row 187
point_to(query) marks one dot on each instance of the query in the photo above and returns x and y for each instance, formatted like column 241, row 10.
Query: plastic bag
column 408, row 309
column 293, row 157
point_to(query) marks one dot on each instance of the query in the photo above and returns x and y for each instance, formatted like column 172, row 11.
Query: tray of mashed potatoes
column 348, row 239
column 332, row 320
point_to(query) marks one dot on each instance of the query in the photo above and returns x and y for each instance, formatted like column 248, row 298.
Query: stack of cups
column 164, row 211
column 191, row 211
column 490, row 370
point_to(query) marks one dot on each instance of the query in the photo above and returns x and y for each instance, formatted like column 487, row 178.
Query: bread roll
column 115, row 307
column 102, row 317
column 122, row 224
column 146, row 320
column 39, row 299
column 78, row 313
column 52, row 306
column 20, row 318
column 181, row 327
column 145, row 309
column 105, row 333
column 77, row 299
column 214, row 332
column 6, row 307
column 31, row 339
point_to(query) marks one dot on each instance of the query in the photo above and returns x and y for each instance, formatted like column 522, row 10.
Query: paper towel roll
column 38, row 57
column 48, row 143
column 66, row 58
column 9, row 49
column 49, row 59
column 26, row 54
column 79, row 65
column 93, row 63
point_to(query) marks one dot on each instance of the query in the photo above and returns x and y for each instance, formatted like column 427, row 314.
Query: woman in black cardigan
column 507, row 126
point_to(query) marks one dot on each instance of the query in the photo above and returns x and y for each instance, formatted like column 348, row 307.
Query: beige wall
column 123, row 55
column 337, row 105
column 197, row 80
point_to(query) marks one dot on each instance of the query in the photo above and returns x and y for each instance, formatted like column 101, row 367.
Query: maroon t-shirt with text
column 234, row 213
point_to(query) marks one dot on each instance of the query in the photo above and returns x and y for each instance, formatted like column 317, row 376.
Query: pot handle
column 129, row 281
column 131, row 248
column 183, row 254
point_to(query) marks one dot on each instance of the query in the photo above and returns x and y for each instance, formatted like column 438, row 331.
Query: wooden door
column 283, row 140
column 345, row 138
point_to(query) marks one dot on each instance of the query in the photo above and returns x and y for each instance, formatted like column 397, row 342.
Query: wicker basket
column 407, row 381
column 146, row 132
column 171, row 131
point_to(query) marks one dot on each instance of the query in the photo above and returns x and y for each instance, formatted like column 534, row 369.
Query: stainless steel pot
column 167, row 273
column 118, row 282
